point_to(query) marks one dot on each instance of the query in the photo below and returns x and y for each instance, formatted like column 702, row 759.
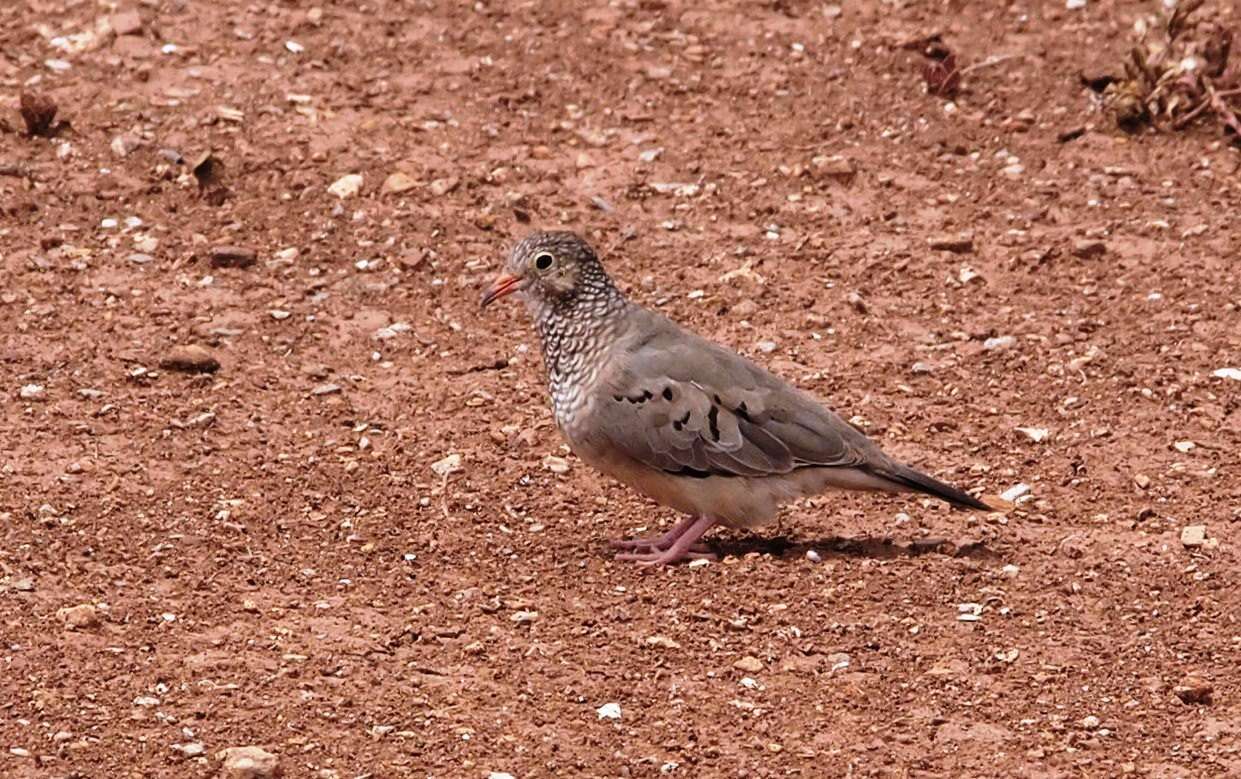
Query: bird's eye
column 543, row 261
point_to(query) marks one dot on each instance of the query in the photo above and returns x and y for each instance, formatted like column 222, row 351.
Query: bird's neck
column 576, row 332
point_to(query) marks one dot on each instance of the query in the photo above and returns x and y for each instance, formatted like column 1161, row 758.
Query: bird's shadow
column 875, row 547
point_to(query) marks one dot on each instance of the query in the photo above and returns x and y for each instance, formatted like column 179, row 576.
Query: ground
column 360, row 545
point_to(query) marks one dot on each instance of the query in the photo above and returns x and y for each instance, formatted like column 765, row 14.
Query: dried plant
column 1177, row 72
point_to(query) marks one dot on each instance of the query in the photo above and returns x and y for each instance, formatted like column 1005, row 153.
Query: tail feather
column 919, row 482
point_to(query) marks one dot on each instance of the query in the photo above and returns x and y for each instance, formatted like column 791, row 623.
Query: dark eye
column 543, row 261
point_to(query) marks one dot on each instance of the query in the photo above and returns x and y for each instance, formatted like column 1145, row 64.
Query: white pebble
column 31, row 392
column 609, row 711
column 999, row 342
column 1014, row 492
column 1228, row 373
column 813, row 556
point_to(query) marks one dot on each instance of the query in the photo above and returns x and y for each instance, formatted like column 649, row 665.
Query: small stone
column 749, row 664
column 920, row 368
column 999, row 342
column 524, row 617
column 839, row 660
column 39, row 111
column 1090, row 722
column 32, row 392
column 80, row 617
column 662, row 641
column 813, row 556
column 1142, row 481
column 126, row 23
column 347, row 186
column 968, row 274
column 650, row 155
column 279, row 314
column 1184, row 447
column 837, row 168
column 1074, row 5
column 556, row 464
column 19, row 752
column 146, row 701
column 1194, row 690
column 249, row 763
column 447, row 465
column 766, row 347
column 1010, row 571
column 441, row 187
column 857, row 302
column 232, row 257
column 124, row 145
column 397, row 183
column 1088, row 249
column 1035, row 434
column 192, row 749
column 1193, row 535
column 24, row 585
column 957, row 244
column 190, row 358
column 609, row 711
column 139, row 258
column 701, row 562
column 500, row 775
column 325, row 389
column 1228, row 373
column 1014, row 492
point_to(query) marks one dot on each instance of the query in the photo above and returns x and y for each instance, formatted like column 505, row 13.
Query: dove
column 687, row 422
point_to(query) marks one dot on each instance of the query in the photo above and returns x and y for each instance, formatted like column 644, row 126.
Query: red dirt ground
column 275, row 566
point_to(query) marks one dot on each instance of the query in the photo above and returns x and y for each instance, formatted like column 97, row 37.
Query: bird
column 687, row 422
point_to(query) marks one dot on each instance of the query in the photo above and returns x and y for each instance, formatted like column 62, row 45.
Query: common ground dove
column 689, row 423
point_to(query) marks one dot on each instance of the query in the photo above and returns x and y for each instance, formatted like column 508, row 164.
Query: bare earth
column 272, row 560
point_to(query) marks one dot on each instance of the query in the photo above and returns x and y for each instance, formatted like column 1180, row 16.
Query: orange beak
column 505, row 284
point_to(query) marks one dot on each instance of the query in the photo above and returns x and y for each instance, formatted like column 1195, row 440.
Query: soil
column 351, row 544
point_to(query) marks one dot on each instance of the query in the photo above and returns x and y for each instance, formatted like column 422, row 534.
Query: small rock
column 441, row 187
column 500, row 775
column 1193, row 535
column 447, row 465
column 609, row 711
column 1010, row 571
column 279, row 314
column 32, row 392
column 839, row 660
column 397, row 183
column 749, row 664
column 813, row 556
column 139, row 258
column 124, row 145
column 1090, row 722
column 968, row 274
column 347, row 186
column 81, row 617
column 1014, row 492
column 126, row 23
column 1194, row 690
column 190, row 358
column 1074, row 5
column 1035, row 434
column 1142, row 481
column 24, row 585
column 1184, row 447
column 556, row 464
column 39, row 113
column 837, row 168
column 146, row 701
column 701, row 562
column 662, row 641
column 524, row 617
column 920, row 368
column 1088, row 249
column 325, row 389
column 766, row 347
column 19, row 752
column 650, row 155
column 249, row 763
column 192, row 749
column 1228, row 373
column 957, row 244
column 857, row 302
column 999, row 342
column 232, row 257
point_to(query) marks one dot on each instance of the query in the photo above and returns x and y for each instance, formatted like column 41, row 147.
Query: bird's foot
column 680, row 543
column 656, row 543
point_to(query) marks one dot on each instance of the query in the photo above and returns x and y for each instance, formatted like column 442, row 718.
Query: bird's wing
column 679, row 403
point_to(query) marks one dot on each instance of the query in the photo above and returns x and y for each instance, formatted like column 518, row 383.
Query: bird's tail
column 917, row 481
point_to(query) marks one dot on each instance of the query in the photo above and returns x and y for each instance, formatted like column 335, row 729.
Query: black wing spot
column 713, row 419
column 742, row 411
column 694, row 473
column 618, row 398
column 667, row 393
column 717, row 400
column 685, row 419
column 645, row 396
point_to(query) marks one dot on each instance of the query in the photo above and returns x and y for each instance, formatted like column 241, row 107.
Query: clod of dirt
column 1194, row 690
column 1089, row 249
column 80, row 617
column 233, row 257
column 957, row 244
column 749, row 664
column 190, row 358
column 249, row 763
column 126, row 23
column 39, row 113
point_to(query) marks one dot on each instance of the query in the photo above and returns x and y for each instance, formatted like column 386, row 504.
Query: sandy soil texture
column 358, row 544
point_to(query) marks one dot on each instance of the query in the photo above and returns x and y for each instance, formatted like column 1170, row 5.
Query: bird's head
column 548, row 268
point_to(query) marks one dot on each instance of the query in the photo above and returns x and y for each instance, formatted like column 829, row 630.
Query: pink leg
column 680, row 549
column 659, row 542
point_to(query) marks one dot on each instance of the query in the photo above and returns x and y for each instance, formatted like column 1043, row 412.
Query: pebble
column 1193, row 535
column 524, row 617
column 1194, row 690
column 650, row 155
column 192, row 749
column 839, row 660
column 1014, row 492
column 80, row 617
column 1090, row 722
column 1228, row 373
column 662, row 641
column 813, row 556
column 1010, row 571
column 699, row 563
column 279, row 314
column 1035, row 434
column 126, row 23
column 31, row 392
column 609, row 711
column 957, row 244
column 556, row 464
column 1074, row 5
column 347, row 186
column 19, row 752
column 999, row 342
column 766, row 347
column 190, row 358
column 920, row 368
column 857, row 302
column 749, row 664
column 232, row 257
column 447, row 465
column 146, row 701
column 249, row 763
column 837, row 168
column 140, row 258
column 124, row 145
column 968, row 274
column 325, row 389
column 500, row 775
column 397, row 183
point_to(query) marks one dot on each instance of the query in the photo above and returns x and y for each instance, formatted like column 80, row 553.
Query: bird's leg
column 659, row 542
column 681, row 549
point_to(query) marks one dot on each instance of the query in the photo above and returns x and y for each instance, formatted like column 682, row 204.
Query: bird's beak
column 505, row 284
